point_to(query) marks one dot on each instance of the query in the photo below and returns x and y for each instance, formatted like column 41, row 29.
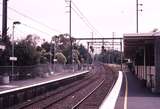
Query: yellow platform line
column 126, row 92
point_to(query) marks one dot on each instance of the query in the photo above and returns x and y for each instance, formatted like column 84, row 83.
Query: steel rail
column 82, row 100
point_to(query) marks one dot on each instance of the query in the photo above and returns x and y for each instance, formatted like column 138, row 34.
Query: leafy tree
column 26, row 53
column 38, row 48
column 66, row 52
column 76, row 55
column 44, row 58
column 60, row 58
column 32, row 39
column 84, row 55
column 48, row 50
column 4, row 55
column 109, row 56
column 63, row 45
column 46, row 46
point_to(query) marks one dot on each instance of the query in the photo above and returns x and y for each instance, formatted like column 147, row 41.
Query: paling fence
column 40, row 70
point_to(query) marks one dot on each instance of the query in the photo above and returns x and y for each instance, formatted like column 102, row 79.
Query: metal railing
column 40, row 70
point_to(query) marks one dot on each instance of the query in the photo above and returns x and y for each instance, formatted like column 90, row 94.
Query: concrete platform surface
column 134, row 95
column 29, row 82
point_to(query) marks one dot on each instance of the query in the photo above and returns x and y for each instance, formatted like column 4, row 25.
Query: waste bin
column 5, row 79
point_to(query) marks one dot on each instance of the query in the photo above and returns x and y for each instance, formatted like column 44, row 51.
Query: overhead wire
column 84, row 19
column 35, row 29
column 79, row 14
column 32, row 19
column 28, row 26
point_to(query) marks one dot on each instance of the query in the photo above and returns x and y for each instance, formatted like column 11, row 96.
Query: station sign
column 13, row 58
column 55, row 60
column 2, row 47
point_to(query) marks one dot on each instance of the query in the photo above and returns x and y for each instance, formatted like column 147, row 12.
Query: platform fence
column 40, row 70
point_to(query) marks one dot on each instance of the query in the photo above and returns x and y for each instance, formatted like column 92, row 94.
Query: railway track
column 94, row 99
column 86, row 97
column 75, row 95
column 58, row 90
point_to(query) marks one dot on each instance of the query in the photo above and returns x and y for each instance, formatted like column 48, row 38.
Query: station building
column 143, row 49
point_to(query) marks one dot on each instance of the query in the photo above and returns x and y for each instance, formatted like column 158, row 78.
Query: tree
column 32, row 39
column 83, row 53
column 46, row 46
column 76, row 55
column 109, row 56
column 63, row 45
column 4, row 55
column 26, row 51
column 61, row 59
column 26, row 54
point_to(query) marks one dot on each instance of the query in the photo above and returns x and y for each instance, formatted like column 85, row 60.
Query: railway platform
column 20, row 91
column 27, row 82
column 134, row 94
column 21, row 84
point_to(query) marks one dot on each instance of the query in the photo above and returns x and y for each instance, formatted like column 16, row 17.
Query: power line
column 30, row 18
column 9, row 18
column 35, row 29
column 79, row 14
column 29, row 26
column 87, row 24
column 21, row 31
column 83, row 18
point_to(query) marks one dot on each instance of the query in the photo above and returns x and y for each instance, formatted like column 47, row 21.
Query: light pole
column 70, row 28
column 13, row 58
column 55, row 40
column 50, row 59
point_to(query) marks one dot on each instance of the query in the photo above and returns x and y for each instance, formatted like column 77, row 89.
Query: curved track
column 77, row 94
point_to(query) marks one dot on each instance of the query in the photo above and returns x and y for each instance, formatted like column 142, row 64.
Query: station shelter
column 143, row 49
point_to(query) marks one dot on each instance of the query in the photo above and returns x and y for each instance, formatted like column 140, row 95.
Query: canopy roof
column 135, row 41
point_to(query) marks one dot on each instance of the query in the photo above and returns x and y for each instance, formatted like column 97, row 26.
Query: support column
column 121, row 55
column 145, row 73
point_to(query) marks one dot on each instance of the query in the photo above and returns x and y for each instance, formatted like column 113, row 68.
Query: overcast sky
column 107, row 16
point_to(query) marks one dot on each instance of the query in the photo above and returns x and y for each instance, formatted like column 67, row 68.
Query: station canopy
column 136, row 41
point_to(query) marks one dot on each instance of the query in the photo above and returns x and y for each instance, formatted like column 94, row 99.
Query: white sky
column 106, row 16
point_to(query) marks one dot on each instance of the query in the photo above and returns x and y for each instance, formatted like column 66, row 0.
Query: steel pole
column 13, row 58
column 12, row 52
column 121, row 55
column 137, row 16
column 50, row 59
column 4, row 20
column 55, row 45
column 70, row 27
